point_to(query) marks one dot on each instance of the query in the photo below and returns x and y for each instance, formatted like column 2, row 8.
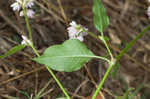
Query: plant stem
column 27, row 23
column 111, row 63
column 104, row 41
column 102, row 58
column 36, row 52
column 93, row 35
column 102, row 82
column 129, row 45
column 58, row 82
column 106, row 45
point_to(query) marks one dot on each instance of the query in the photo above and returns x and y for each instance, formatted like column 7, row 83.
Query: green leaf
column 101, row 20
column 106, row 38
column 69, row 56
column 13, row 50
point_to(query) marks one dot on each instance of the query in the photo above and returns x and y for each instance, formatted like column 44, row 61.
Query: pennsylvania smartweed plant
column 72, row 54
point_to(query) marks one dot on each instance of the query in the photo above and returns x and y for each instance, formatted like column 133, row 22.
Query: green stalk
column 111, row 64
column 106, row 45
column 36, row 52
column 129, row 45
column 58, row 82
column 93, row 35
column 27, row 23
column 102, row 39
column 102, row 82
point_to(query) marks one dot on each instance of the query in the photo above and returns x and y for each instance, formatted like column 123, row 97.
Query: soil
column 19, row 75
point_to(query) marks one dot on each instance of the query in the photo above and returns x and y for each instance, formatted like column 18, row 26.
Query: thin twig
column 62, row 12
column 19, row 31
column 50, row 12
column 78, row 88
column 22, row 75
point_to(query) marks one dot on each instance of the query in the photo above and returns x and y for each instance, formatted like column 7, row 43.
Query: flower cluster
column 76, row 31
column 16, row 6
column 26, row 41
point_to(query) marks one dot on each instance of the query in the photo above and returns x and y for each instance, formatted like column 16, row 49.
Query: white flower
column 73, row 23
column 148, row 0
column 16, row 6
column 76, row 31
column 30, row 13
column 27, row 4
column 30, row 3
column 26, row 41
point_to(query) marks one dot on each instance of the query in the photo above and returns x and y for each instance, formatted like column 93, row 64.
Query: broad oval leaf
column 69, row 56
column 101, row 20
column 13, row 50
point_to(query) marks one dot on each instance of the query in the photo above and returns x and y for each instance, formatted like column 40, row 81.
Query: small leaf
column 106, row 38
column 13, row 50
column 69, row 56
column 101, row 20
